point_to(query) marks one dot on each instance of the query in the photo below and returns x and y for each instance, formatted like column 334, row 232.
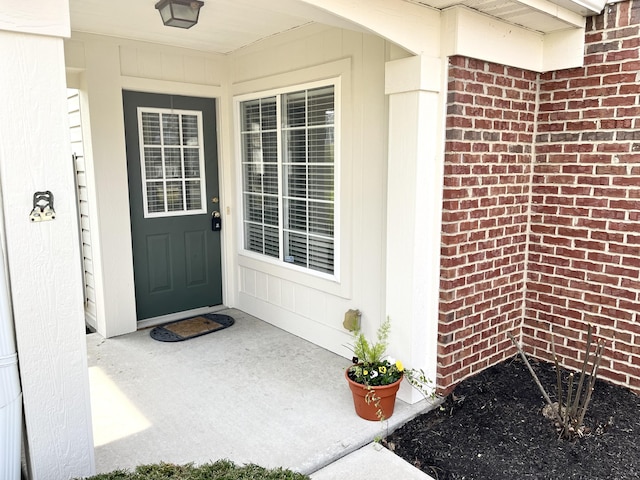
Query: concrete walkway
column 371, row 462
column 251, row 393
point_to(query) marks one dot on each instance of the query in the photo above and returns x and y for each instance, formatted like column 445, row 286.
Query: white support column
column 44, row 257
column 414, row 210
column 106, row 163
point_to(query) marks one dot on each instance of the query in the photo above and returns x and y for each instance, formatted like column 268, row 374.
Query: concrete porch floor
column 251, row 393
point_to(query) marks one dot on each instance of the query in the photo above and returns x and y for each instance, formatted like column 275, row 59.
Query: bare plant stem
column 592, row 381
column 576, row 402
column 566, row 423
column 533, row 374
column 558, row 374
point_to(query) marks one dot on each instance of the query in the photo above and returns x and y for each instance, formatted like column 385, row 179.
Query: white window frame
column 203, row 183
column 280, row 262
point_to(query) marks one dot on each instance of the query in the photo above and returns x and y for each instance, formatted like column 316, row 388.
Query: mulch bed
column 491, row 428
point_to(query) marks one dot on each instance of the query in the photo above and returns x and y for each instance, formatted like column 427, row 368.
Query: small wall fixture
column 179, row 13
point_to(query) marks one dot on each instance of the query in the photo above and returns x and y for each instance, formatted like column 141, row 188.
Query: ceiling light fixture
column 179, row 13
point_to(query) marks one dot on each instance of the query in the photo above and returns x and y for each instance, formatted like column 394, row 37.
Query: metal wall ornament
column 42, row 207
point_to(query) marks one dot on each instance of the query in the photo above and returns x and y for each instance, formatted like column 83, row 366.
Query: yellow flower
column 365, row 372
column 399, row 366
column 383, row 369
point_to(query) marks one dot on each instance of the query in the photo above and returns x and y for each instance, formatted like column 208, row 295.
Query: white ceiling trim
column 227, row 26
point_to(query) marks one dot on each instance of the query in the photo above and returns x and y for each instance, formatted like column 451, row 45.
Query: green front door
column 173, row 191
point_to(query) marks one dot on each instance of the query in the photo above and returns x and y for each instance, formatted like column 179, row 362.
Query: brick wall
column 488, row 158
column 541, row 213
column 584, row 251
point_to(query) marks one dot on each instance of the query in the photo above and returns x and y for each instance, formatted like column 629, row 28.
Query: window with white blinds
column 172, row 162
column 288, row 173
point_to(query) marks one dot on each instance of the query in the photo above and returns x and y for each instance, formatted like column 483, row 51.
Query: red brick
column 630, row 89
column 620, row 57
column 586, row 82
column 623, row 272
column 611, row 170
column 618, row 101
column 631, row 66
column 612, row 375
column 628, row 112
column 593, row 180
column 626, row 181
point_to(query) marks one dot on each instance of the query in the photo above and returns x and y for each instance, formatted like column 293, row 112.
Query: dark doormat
column 191, row 327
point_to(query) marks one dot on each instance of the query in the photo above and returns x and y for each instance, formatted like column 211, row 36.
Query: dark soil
column 491, row 428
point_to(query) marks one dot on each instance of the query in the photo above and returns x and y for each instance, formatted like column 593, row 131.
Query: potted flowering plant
column 374, row 379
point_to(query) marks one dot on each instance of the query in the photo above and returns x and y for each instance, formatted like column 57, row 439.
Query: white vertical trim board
column 44, row 258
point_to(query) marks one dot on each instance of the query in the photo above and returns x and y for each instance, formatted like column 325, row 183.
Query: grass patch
column 220, row 470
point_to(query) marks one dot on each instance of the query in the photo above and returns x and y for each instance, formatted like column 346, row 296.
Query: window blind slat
column 321, row 106
column 295, row 142
column 321, row 181
column 296, row 248
column 271, row 211
column 321, row 254
column 321, row 218
column 271, row 242
column 270, row 179
column 269, row 113
column 295, row 109
column 253, row 208
column 253, row 237
column 296, row 176
column 321, row 145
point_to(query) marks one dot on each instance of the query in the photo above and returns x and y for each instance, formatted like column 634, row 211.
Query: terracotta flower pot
column 369, row 411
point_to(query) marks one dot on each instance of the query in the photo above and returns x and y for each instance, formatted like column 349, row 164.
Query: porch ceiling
column 223, row 27
column 228, row 25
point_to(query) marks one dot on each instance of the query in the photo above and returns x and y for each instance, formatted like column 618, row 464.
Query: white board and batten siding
column 77, row 155
column 303, row 303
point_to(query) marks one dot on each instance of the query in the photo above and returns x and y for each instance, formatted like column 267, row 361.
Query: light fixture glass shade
column 179, row 13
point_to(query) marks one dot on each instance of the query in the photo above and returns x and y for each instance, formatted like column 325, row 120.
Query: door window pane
column 155, row 197
column 172, row 152
column 152, row 163
column 194, row 194
column 191, row 162
column 175, row 196
column 151, row 128
column 170, row 129
column 190, row 135
column 172, row 163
